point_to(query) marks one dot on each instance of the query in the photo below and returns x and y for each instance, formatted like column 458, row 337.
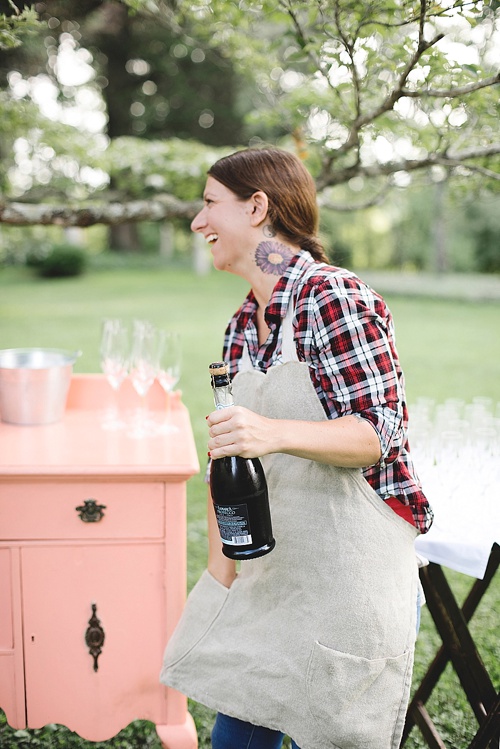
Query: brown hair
column 293, row 210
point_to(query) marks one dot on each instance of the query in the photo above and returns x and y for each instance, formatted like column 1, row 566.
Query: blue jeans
column 231, row 733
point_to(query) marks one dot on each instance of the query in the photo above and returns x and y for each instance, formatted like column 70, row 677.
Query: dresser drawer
column 81, row 510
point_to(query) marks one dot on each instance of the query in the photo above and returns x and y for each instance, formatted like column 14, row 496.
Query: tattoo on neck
column 268, row 231
column 273, row 257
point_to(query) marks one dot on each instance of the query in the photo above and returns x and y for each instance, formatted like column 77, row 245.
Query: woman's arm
column 220, row 566
column 348, row 441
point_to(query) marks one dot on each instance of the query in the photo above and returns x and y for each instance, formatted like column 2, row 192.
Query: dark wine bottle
column 239, row 490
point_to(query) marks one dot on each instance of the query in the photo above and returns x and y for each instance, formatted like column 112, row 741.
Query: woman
column 314, row 640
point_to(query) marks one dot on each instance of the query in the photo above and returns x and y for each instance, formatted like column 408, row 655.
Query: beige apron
column 315, row 639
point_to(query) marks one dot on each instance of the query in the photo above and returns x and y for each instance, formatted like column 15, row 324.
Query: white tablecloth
column 465, row 497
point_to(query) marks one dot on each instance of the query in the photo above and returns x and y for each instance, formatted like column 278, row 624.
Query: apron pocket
column 356, row 702
column 203, row 606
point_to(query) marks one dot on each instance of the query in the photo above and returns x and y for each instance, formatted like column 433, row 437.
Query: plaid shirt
column 344, row 331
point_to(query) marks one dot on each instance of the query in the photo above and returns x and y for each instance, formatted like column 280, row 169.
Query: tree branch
column 344, row 208
column 472, row 168
column 461, row 158
column 388, row 104
column 453, row 93
column 399, row 89
column 161, row 208
column 166, row 207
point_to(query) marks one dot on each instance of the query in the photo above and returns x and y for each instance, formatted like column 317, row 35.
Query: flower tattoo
column 273, row 257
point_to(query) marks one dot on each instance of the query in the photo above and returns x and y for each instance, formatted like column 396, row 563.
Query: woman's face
column 225, row 223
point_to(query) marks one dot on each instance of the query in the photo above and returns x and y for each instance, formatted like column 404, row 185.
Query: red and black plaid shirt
column 344, row 331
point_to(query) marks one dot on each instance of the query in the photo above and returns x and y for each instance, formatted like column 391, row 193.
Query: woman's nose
column 198, row 222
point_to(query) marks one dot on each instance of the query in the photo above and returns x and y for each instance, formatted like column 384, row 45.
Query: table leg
column 451, row 623
column 178, row 736
column 488, row 734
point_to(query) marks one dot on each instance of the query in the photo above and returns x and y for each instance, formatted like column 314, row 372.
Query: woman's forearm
column 348, row 442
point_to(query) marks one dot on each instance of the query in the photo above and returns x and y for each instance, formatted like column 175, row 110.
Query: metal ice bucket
column 34, row 384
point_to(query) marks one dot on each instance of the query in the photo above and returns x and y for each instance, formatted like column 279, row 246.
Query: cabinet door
column 125, row 582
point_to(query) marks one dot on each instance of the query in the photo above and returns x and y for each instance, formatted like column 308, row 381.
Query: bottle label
column 234, row 527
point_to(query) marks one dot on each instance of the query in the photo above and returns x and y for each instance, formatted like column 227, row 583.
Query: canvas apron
column 316, row 638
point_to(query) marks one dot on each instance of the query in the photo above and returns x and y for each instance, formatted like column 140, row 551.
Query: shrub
column 62, row 261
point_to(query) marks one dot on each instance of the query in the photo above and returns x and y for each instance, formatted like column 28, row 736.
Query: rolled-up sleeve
column 348, row 339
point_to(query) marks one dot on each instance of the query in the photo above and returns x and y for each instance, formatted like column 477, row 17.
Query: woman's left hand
column 238, row 431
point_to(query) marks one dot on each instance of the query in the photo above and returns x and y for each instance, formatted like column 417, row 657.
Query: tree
column 153, row 79
column 370, row 94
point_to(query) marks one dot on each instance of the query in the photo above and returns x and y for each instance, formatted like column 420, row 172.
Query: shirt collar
column 283, row 291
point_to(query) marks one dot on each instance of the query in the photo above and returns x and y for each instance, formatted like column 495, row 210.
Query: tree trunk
column 440, row 249
column 124, row 238
column 114, row 38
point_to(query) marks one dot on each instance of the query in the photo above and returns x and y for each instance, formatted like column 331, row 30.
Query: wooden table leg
column 451, row 623
column 488, row 734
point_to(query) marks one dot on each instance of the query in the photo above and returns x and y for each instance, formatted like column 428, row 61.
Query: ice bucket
column 34, row 384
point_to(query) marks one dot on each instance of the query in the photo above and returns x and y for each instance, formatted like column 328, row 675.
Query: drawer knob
column 90, row 511
column 94, row 636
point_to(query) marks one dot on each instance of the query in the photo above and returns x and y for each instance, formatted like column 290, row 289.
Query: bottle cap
column 219, row 368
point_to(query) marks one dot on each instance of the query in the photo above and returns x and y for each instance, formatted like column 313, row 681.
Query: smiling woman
column 319, row 396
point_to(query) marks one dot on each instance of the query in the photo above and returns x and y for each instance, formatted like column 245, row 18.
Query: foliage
column 62, row 261
column 15, row 24
column 42, row 152
column 139, row 168
column 485, row 223
column 368, row 94
column 379, row 88
column 151, row 76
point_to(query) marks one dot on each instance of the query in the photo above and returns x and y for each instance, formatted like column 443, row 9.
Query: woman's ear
column 259, row 205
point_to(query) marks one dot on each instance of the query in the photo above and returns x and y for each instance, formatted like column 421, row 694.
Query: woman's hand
column 239, row 431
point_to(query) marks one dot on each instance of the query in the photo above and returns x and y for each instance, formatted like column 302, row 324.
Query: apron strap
column 288, row 347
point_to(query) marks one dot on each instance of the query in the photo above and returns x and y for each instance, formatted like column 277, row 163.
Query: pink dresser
column 93, row 569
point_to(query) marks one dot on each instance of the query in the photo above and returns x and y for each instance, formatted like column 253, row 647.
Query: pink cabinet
column 92, row 570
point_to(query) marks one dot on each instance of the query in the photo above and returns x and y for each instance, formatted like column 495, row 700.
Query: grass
column 447, row 348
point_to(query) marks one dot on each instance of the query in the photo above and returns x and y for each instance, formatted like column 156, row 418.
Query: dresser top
column 78, row 446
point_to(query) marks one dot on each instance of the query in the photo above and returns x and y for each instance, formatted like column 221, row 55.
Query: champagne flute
column 169, row 370
column 114, row 350
column 143, row 368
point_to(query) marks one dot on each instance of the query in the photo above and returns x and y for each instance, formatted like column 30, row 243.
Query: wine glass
column 114, row 350
column 143, row 368
column 169, row 370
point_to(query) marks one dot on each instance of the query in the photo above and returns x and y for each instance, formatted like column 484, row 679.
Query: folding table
column 465, row 539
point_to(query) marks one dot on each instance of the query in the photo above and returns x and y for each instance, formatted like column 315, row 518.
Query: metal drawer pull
column 90, row 511
column 94, row 636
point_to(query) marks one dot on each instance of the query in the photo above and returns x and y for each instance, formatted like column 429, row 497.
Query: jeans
column 420, row 602
column 231, row 733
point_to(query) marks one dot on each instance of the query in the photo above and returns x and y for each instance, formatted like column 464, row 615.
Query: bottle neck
column 223, row 396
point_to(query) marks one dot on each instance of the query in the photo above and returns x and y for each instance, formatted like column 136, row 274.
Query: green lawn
column 447, row 348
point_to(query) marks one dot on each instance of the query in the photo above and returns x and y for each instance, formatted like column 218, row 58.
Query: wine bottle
column 239, row 490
